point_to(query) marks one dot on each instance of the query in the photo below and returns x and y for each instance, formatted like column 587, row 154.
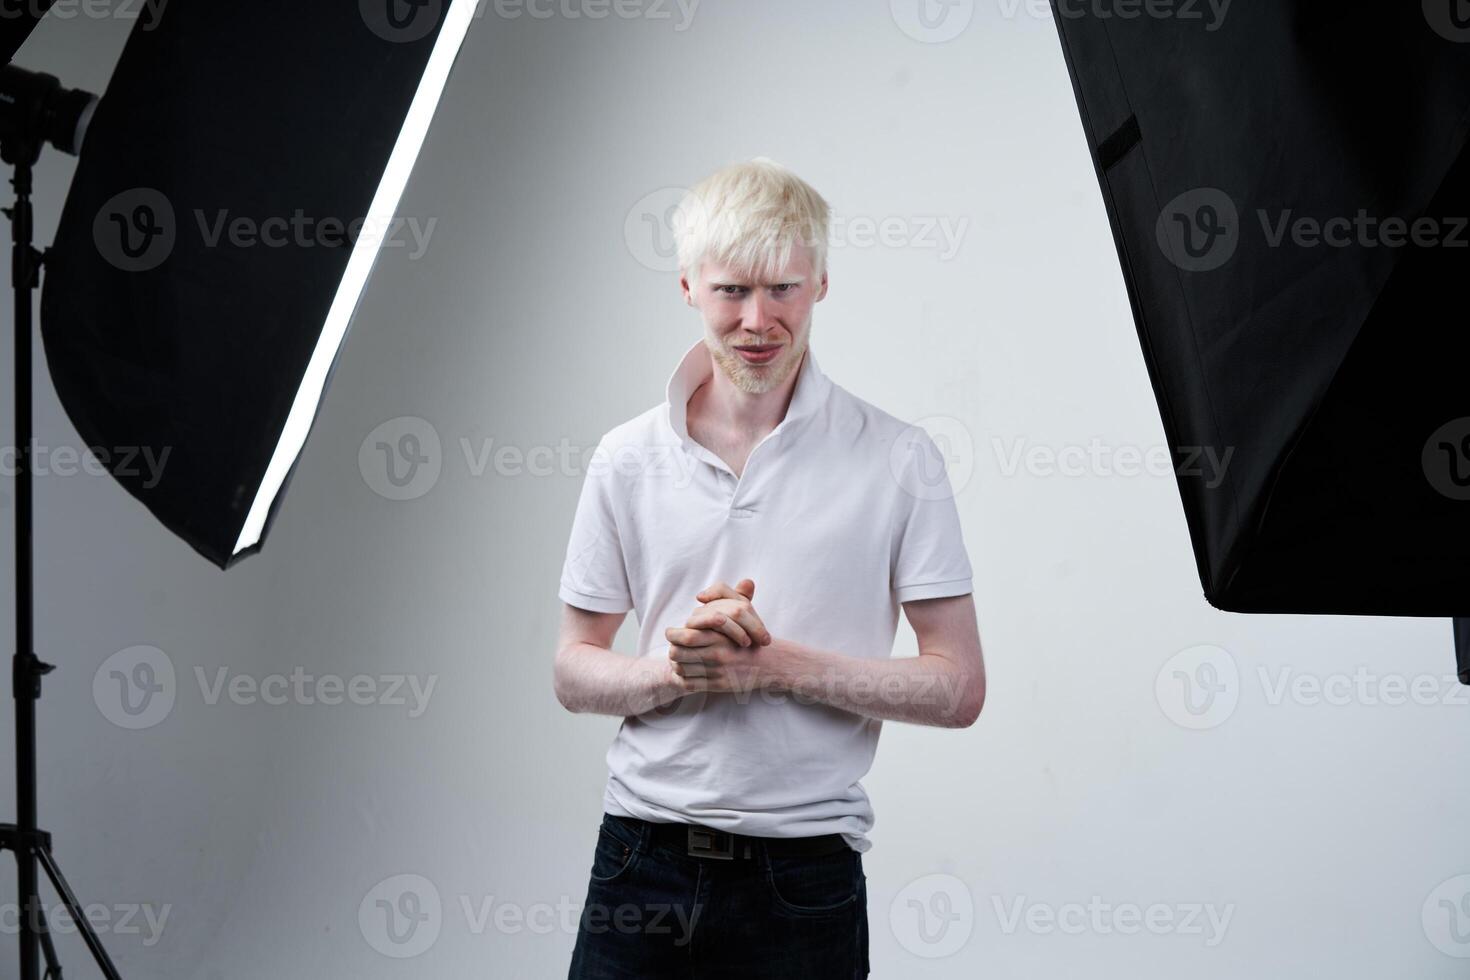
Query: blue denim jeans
column 654, row 913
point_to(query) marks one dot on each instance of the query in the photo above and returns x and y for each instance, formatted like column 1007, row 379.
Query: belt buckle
column 704, row 842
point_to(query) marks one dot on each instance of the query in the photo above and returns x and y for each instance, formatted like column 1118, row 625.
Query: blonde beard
column 752, row 380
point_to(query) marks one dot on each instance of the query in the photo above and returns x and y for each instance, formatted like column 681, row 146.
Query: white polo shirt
column 843, row 513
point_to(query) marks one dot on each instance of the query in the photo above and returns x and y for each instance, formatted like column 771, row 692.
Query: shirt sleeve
column 929, row 557
column 594, row 576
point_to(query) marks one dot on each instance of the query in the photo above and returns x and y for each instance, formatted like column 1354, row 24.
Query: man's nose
column 759, row 312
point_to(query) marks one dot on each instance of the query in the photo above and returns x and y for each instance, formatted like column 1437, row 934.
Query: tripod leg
column 53, row 965
column 53, row 872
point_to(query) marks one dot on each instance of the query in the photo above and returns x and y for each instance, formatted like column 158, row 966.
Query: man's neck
column 740, row 415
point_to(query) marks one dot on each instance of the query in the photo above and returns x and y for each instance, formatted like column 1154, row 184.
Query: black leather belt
column 697, row 840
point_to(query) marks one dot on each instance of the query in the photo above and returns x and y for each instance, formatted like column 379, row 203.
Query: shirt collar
column 697, row 367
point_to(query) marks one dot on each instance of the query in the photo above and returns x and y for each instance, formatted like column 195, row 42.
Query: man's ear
column 824, row 288
column 684, row 286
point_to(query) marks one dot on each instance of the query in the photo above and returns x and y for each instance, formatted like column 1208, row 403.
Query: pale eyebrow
column 793, row 280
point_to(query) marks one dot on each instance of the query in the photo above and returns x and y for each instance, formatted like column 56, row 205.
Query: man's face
column 756, row 332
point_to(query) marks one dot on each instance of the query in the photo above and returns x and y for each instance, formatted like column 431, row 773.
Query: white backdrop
column 1302, row 813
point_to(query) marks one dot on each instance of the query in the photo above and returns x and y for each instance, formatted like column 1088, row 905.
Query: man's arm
column 589, row 676
column 943, row 686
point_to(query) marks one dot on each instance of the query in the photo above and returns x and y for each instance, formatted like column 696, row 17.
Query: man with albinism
column 767, row 572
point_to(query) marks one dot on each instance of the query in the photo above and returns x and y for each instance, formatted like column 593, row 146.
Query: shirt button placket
column 739, row 513
column 729, row 483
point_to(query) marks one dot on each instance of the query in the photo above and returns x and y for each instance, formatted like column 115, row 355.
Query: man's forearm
column 925, row 690
column 601, row 681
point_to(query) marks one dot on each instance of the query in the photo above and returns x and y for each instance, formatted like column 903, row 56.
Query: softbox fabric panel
column 1288, row 187
column 207, row 230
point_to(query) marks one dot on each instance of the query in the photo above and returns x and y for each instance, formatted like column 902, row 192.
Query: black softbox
column 1288, row 188
column 239, row 177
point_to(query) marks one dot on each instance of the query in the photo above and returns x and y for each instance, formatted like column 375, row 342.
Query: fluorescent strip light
column 359, row 265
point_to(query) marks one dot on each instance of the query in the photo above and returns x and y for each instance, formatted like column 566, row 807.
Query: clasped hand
column 720, row 647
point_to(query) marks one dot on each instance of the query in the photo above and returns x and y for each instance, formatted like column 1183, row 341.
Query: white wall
column 1321, row 830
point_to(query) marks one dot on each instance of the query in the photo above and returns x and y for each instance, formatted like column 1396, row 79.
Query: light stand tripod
column 39, row 110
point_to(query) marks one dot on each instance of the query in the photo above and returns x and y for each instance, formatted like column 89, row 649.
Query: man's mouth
column 759, row 353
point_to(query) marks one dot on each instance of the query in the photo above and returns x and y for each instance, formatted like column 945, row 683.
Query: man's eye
column 779, row 289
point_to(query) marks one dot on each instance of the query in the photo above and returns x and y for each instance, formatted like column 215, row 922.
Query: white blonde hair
column 749, row 216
